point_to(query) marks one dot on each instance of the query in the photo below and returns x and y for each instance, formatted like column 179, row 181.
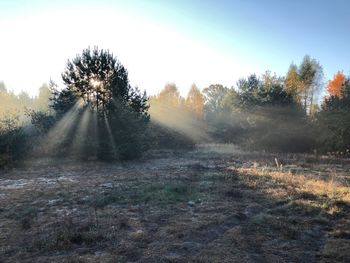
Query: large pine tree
column 100, row 82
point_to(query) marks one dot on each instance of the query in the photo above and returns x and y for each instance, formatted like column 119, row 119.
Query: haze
column 200, row 42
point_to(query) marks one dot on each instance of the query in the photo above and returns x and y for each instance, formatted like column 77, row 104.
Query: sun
column 95, row 83
column 96, row 95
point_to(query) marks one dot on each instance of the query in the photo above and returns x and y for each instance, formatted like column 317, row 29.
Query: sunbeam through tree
column 98, row 83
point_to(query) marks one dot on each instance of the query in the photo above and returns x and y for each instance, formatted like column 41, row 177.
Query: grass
column 213, row 204
column 305, row 185
column 66, row 235
column 157, row 193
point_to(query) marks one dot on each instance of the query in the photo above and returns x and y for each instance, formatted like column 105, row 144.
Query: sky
column 183, row 41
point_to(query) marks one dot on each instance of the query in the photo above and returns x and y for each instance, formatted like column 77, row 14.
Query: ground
column 212, row 204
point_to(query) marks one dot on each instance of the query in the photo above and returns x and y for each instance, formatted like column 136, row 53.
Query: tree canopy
column 335, row 86
column 97, row 80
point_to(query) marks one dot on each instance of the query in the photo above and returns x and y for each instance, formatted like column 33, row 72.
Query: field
column 212, row 204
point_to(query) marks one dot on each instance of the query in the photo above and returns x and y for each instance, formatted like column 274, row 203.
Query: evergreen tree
column 334, row 121
column 98, row 81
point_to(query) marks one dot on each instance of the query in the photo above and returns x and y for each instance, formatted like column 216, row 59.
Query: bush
column 334, row 131
column 12, row 141
column 42, row 121
column 276, row 138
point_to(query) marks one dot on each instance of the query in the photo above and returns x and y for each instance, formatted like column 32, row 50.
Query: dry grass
column 308, row 183
column 213, row 204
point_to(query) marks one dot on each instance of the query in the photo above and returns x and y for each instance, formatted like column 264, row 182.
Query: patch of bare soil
column 213, row 204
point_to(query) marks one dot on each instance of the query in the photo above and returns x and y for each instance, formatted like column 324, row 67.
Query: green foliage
column 279, row 129
column 254, row 93
column 214, row 96
column 14, row 138
column 12, row 141
column 334, row 122
column 160, row 193
column 261, row 114
column 62, row 101
column 222, row 126
column 42, row 121
column 267, row 112
column 127, row 132
column 99, row 80
column 305, row 82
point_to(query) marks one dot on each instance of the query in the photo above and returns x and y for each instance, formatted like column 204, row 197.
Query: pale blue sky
column 177, row 41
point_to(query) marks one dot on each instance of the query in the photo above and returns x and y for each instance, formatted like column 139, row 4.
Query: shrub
column 12, row 141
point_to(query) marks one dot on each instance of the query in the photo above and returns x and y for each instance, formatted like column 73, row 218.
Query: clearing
column 212, row 204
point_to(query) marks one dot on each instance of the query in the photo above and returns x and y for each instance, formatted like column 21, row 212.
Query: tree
column 97, row 77
column 43, row 99
column 273, row 92
column 23, row 102
column 171, row 111
column 334, row 86
column 305, row 82
column 2, row 88
column 254, row 92
column 267, row 115
column 195, row 101
column 293, row 83
column 218, row 113
column 167, row 106
column 98, row 80
column 214, row 96
column 334, row 121
column 311, row 75
column 3, row 99
column 61, row 101
column 170, row 96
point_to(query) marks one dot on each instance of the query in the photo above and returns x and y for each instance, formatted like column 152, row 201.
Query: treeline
column 297, row 112
column 14, row 117
column 16, row 104
column 99, row 115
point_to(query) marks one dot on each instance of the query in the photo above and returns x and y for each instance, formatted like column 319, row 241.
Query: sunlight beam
column 59, row 133
column 180, row 121
column 80, row 136
column 110, row 135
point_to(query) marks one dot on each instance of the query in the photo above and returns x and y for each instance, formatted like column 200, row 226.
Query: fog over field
column 187, row 131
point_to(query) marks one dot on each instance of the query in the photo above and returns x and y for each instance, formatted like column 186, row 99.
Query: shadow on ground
column 213, row 204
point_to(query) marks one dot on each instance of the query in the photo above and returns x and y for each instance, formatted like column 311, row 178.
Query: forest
column 99, row 171
column 98, row 117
